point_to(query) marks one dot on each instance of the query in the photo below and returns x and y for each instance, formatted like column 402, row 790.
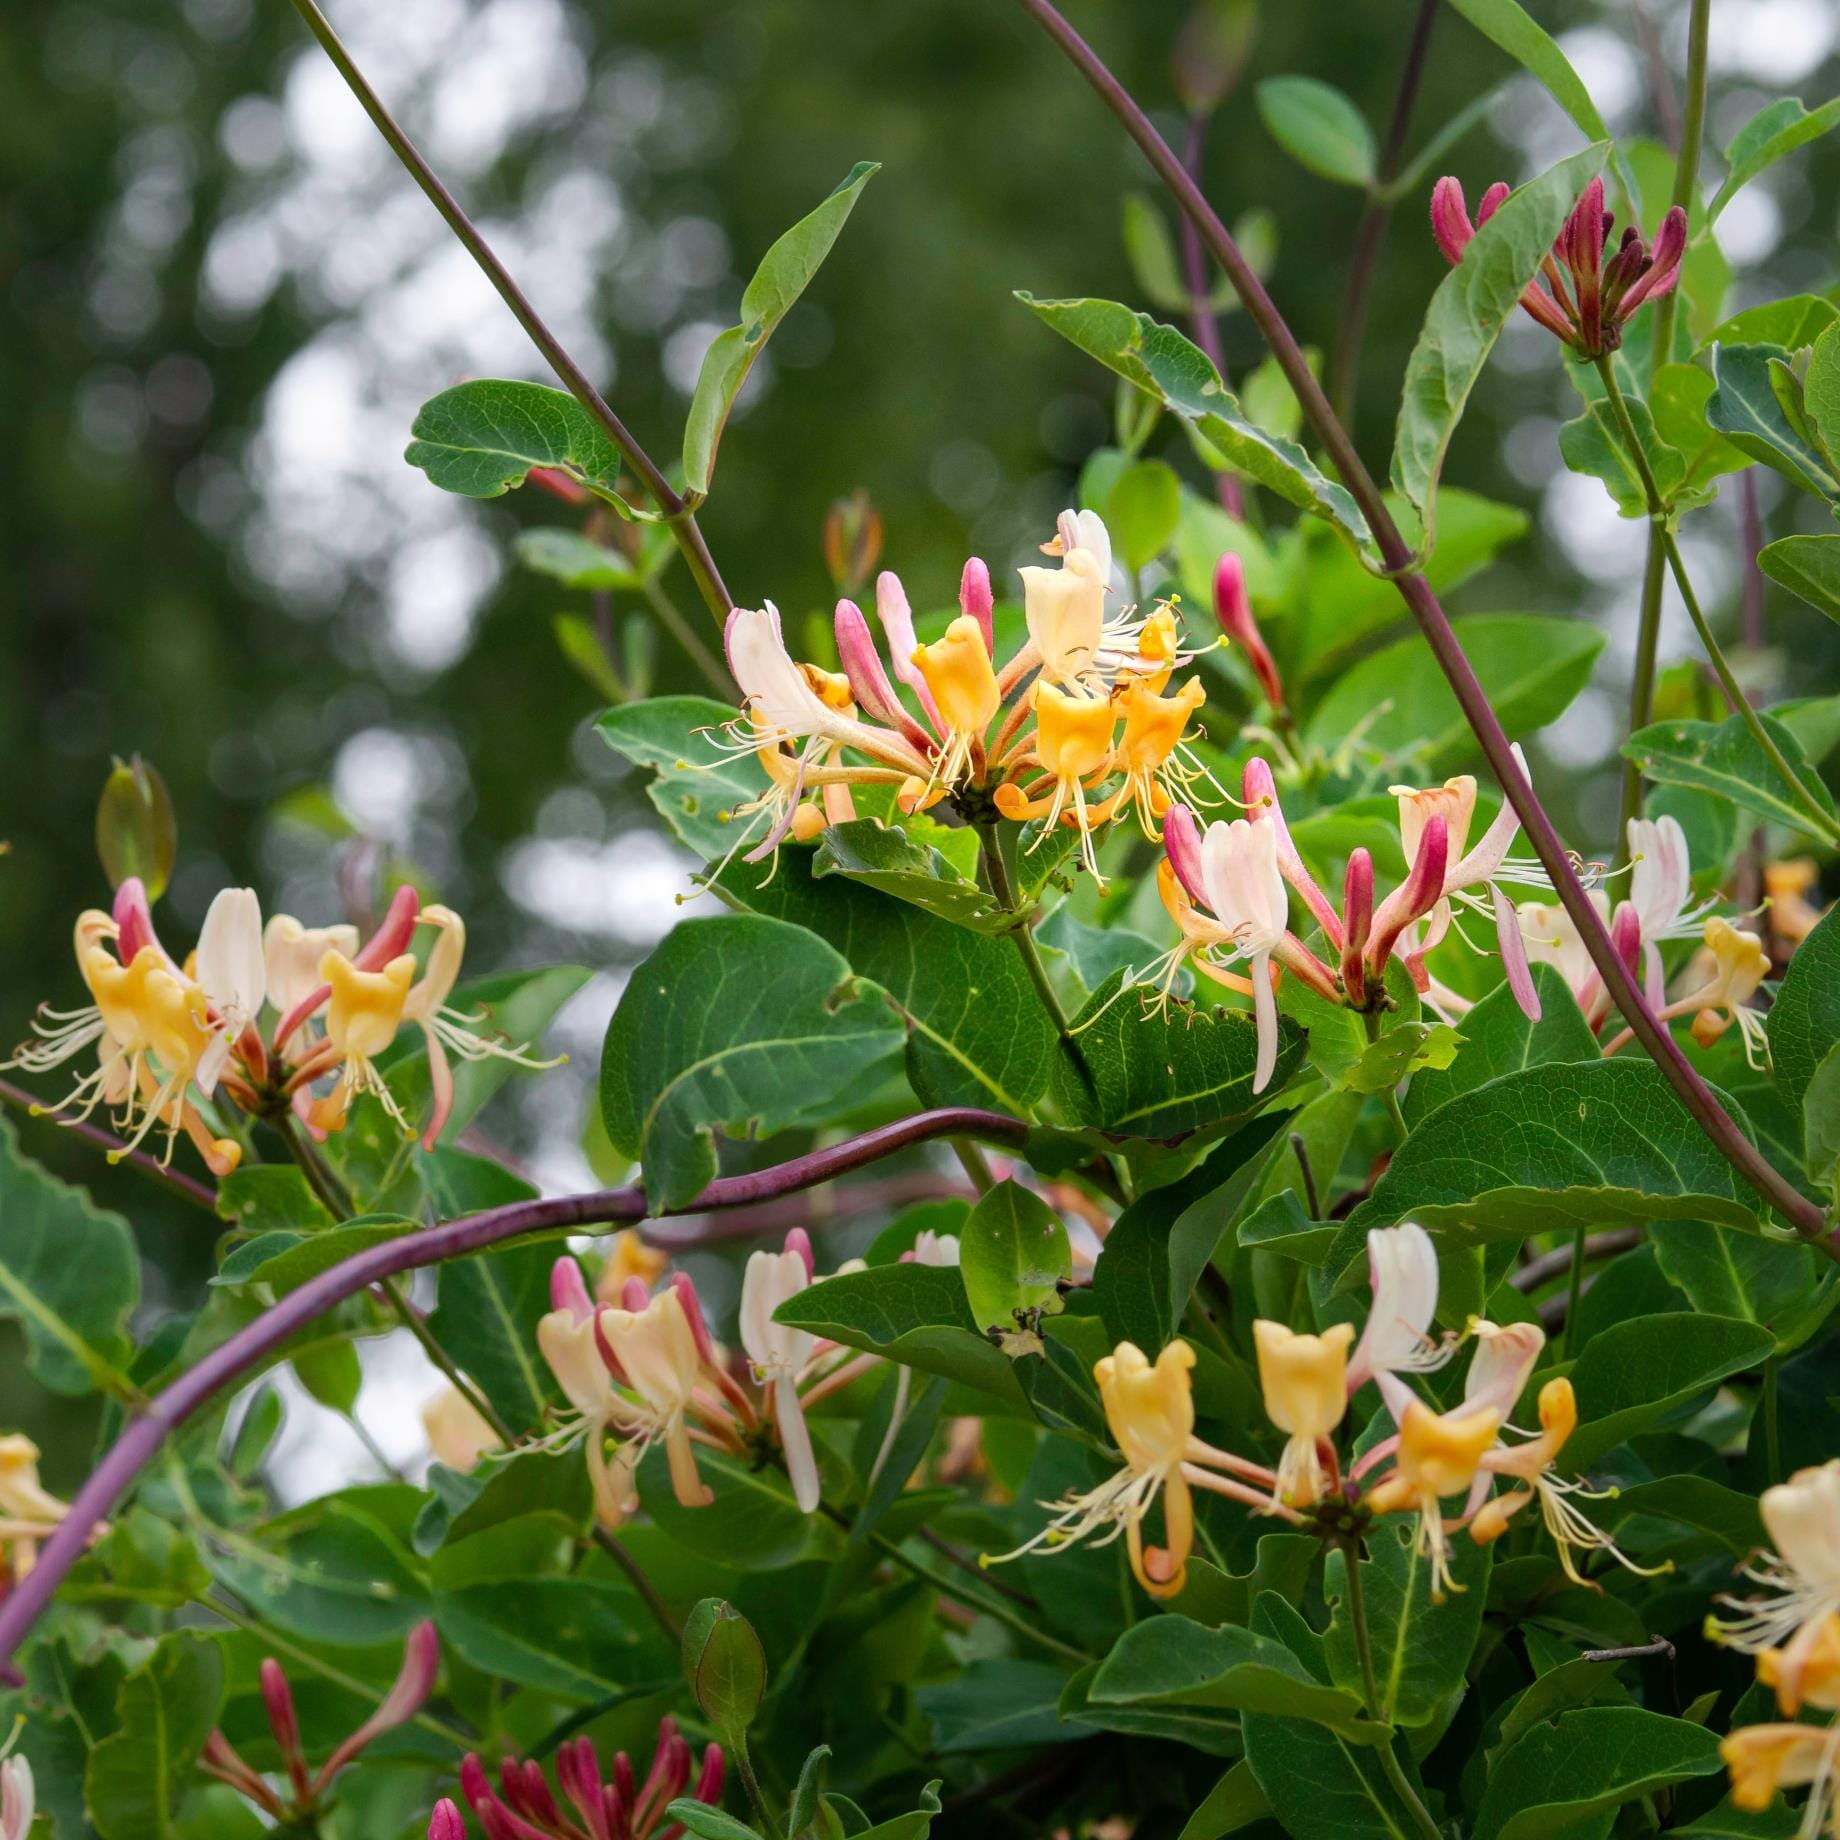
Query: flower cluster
column 524, row 1807
column 646, row 1370
column 1590, row 313
column 307, row 1788
column 1795, row 1635
column 1308, row 1381
column 1079, row 727
column 1225, row 889
column 174, row 1036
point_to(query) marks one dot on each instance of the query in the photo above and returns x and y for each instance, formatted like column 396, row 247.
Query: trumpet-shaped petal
column 1304, row 1381
column 1065, row 610
column 1402, row 1270
column 291, row 955
column 1438, row 1455
column 1807, row 1673
column 18, row 1799
column 1765, row 1758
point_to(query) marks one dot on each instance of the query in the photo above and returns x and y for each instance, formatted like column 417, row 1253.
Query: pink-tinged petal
column 739, row 624
column 1626, row 936
column 1481, row 861
column 1663, row 262
column 1265, row 1017
column 421, row 1663
column 897, row 619
column 634, row 1296
column 609, row 1359
column 976, row 599
column 391, row 939
column 799, row 1241
column 1297, row 958
column 1259, row 790
column 568, row 1289
column 1399, row 1397
column 1654, row 981
column 445, row 1823
column 693, row 1314
column 1450, row 223
column 795, row 1440
column 1182, row 845
column 299, row 1014
column 1513, row 947
column 441, row 1087
column 1357, row 922
column 1541, row 306
column 1492, row 200
column 133, row 917
column 862, row 665
column 782, row 823
column 1415, row 896
column 1582, row 241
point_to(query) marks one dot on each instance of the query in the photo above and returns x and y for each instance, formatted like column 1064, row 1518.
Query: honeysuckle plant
column 1192, row 1256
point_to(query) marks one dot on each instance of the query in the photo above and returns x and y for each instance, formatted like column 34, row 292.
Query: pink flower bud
column 559, row 485
column 1626, row 936
column 1233, row 608
column 799, row 1241
column 862, row 665
column 709, row 1778
column 568, row 1289
column 421, row 1663
column 1450, row 223
column 1182, row 845
column 133, row 919
column 1663, row 262
column 445, row 1823
column 897, row 619
column 278, row 1700
column 975, row 599
column 1357, row 922
column 1415, row 897
column 391, row 939
column 634, row 1296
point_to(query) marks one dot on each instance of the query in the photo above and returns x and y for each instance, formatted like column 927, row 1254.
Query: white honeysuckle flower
column 291, row 954
column 18, row 1799
column 231, row 969
column 1403, row 1274
column 1239, row 871
column 778, row 1355
column 931, row 1248
column 1802, row 1569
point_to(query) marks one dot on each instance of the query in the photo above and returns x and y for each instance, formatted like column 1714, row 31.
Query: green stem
column 1573, row 1291
column 636, row 1575
column 996, row 871
column 1772, row 1421
column 1370, row 1688
column 744, row 1768
column 714, row 674
column 1642, row 684
column 974, row 1163
column 673, row 508
column 992, row 1607
column 1820, row 824
column 1390, row 1098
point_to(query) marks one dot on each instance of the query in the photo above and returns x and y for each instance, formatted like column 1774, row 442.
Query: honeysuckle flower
column 1740, row 964
column 1810, row 1678
column 1073, row 743
column 934, row 1248
column 1802, row 1518
column 29, row 1512
column 18, row 1798
column 457, row 1435
column 1552, row 937
column 1402, row 1272
column 1150, row 750
column 655, row 1349
column 1765, row 1758
column 414, row 1683
column 1233, row 609
column 628, row 1257
column 778, row 1354
column 615, row 1807
column 1304, row 1381
column 1065, row 611
column 291, row 955
column 1786, row 886
column 957, row 669
column 1437, row 1456
column 567, row 1341
column 1590, row 313
column 1150, row 1409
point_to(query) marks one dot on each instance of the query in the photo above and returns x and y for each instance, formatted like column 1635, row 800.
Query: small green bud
column 136, row 833
column 725, row 1665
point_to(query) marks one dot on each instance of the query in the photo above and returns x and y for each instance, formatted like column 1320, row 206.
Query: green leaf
column 499, row 1488
column 1321, row 1785
column 1595, row 446
column 1804, row 1021
column 1587, row 1145
column 1421, row 1649
column 1319, row 128
column 735, row 1022
column 698, row 784
column 1677, row 399
column 978, row 1034
column 1171, row 1661
column 1774, row 132
column 1589, row 1762
column 1234, row 1802
column 1151, row 251
column 1499, row 1039
column 1531, row 666
column 1165, row 1076
column 491, row 1302
column 266, row 1197
column 1821, row 389
column 709, row 1823
column 996, row 1704
column 167, row 1709
column 1808, row 566
column 1821, row 1120
column 914, row 1314
column 1640, row 1369
column 1735, row 1274
column 1470, row 307
column 783, row 275
column 480, row 439
column 1787, row 324
column 905, row 862
column 1166, row 366
column 285, row 1261
column 1746, row 408
column 1141, row 512
column 1510, row 26
column 574, row 560
column 1725, row 758
column 1012, row 1254
column 915, row 1826
column 804, row 1809
column 1694, row 1501
column 580, row 644
column 1279, row 1224
column 68, row 1276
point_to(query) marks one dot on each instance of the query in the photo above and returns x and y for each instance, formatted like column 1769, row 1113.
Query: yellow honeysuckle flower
column 1810, row 1674
column 1073, row 742
column 1155, row 777
column 28, row 1511
column 457, row 1434
column 1786, row 887
column 659, row 1361
column 1304, row 1379
column 959, row 673
column 362, row 1016
column 1765, row 1758
column 1741, row 963
column 629, row 1257
column 1438, row 1456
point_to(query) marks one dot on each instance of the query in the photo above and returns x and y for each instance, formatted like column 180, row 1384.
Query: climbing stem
column 1370, row 1689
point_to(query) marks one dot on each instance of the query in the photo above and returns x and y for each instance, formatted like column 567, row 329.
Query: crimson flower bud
column 278, row 1699
column 1357, row 923
column 1182, row 845
column 1233, row 608
column 976, row 600
column 693, row 1311
column 445, row 1823
column 559, row 485
column 1415, row 897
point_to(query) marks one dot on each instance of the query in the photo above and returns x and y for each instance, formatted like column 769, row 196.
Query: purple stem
column 1404, row 571
column 1202, row 322
column 140, row 1442
column 150, row 1166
